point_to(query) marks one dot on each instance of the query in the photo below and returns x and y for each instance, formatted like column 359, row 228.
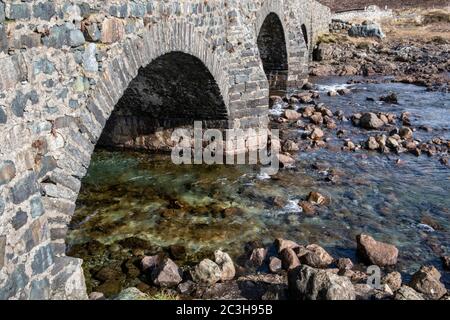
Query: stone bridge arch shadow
column 108, row 108
column 282, row 45
column 172, row 91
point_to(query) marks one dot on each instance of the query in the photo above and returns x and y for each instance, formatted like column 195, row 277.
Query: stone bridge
column 65, row 66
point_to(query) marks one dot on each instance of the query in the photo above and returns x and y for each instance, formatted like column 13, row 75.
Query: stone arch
column 174, row 90
column 273, row 51
column 297, row 51
column 130, row 56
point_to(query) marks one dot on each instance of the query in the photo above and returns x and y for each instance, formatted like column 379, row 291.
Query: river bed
column 140, row 195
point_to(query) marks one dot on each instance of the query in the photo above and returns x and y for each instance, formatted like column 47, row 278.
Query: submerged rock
column 375, row 252
column 307, row 283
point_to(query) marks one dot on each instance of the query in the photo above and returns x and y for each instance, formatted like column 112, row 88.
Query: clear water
column 127, row 194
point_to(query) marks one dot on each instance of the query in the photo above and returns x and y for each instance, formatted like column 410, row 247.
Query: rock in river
column 226, row 265
column 166, row 274
column 427, row 281
column 207, row 272
column 370, row 121
column 374, row 252
column 307, row 283
column 316, row 256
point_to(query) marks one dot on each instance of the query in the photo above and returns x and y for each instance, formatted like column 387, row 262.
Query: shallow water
column 128, row 194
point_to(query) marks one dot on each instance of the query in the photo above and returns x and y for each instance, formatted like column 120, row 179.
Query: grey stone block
column 24, row 188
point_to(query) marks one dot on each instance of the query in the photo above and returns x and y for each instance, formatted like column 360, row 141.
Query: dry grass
column 419, row 24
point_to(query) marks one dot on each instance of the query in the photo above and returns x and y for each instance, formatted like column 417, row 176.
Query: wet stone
column 19, row 220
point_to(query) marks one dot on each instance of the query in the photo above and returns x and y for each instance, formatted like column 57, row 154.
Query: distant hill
column 337, row 5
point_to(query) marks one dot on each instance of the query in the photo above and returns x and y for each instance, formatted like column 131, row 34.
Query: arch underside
column 273, row 52
column 173, row 91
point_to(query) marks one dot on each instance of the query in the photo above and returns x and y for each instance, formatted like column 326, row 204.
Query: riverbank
column 415, row 49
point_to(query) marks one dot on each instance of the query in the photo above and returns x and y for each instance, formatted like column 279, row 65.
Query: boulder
column 275, row 265
column 307, row 283
column 207, row 272
column 225, row 264
column 149, row 262
column 372, row 144
column 317, row 134
column 366, row 30
column 308, row 208
column 393, row 280
column 166, row 274
column 407, row 293
column 289, row 259
column 258, row 257
column 292, row 115
column 282, row 244
column 318, row 199
column 316, row 256
column 427, row 281
column 406, row 133
column 370, row 121
column 132, row 294
column 375, row 252
column 285, row 160
column 344, row 264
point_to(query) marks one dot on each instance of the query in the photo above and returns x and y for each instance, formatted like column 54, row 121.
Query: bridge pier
column 72, row 65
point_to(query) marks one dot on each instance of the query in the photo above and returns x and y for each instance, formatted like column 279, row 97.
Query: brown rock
column 289, row 259
column 370, row 121
column 275, row 265
column 308, row 208
column 344, row 264
column 393, row 280
column 427, row 281
column 292, row 115
column 282, row 244
column 285, row 160
column 374, row 252
column 316, row 257
column 317, row 134
column 318, row 199
column 112, row 30
column 406, row 133
column 258, row 257
column 166, row 274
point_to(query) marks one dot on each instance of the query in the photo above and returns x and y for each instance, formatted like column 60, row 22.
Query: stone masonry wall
column 64, row 65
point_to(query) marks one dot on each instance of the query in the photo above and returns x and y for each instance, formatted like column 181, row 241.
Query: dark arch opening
column 273, row 52
column 173, row 91
column 305, row 35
